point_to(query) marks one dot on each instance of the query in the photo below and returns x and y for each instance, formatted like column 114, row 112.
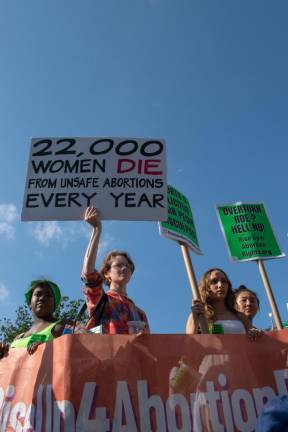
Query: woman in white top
column 217, row 304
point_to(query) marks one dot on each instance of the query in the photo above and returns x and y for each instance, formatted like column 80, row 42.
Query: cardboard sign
column 124, row 383
column 124, row 178
column 180, row 224
column 248, row 232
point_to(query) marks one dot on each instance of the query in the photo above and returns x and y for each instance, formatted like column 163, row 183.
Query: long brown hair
column 205, row 293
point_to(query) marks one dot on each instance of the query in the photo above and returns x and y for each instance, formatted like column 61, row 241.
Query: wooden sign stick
column 270, row 295
column 194, row 286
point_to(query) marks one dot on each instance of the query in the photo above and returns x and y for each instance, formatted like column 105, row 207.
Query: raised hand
column 92, row 216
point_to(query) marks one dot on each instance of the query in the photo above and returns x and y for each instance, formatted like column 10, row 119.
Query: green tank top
column 44, row 335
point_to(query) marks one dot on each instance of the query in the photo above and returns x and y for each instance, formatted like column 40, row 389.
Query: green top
column 44, row 335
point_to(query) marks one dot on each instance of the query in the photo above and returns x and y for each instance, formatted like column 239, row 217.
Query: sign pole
column 270, row 295
column 193, row 283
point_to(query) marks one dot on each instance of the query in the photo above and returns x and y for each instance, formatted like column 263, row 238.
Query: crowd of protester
column 113, row 312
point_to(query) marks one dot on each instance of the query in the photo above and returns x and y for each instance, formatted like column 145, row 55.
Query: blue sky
column 210, row 77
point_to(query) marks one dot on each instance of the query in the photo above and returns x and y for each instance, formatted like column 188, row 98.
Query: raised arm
column 92, row 217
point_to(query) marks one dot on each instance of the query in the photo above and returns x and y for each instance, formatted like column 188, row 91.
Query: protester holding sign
column 112, row 312
column 246, row 302
column 218, row 306
column 42, row 296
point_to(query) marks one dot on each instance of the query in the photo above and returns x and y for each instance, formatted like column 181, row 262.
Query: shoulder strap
column 97, row 313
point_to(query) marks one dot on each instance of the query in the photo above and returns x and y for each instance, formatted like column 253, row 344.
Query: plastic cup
column 135, row 327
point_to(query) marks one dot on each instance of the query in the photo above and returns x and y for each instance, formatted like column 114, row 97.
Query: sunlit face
column 42, row 301
column 246, row 302
column 218, row 285
column 120, row 270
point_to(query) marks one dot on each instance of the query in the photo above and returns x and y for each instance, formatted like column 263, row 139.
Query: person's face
column 42, row 302
column 246, row 303
column 218, row 285
column 120, row 270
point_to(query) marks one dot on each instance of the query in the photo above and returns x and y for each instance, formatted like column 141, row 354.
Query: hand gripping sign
column 124, row 178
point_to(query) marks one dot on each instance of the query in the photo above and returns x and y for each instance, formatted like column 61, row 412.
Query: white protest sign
column 124, row 178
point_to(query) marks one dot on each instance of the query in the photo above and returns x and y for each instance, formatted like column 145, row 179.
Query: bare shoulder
column 19, row 336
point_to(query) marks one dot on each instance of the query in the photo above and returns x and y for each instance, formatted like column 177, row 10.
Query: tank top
column 232, row 326
column 44, row 335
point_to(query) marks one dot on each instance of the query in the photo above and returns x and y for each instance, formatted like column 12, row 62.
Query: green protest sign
column 248, row 232
column 180, row 224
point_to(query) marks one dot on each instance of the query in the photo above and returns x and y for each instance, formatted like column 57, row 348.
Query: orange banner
column 142, row 383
